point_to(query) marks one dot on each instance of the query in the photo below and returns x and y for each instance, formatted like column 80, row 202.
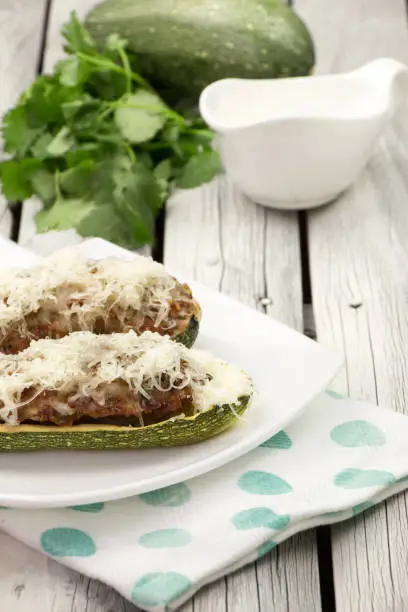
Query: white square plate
column 288, row 370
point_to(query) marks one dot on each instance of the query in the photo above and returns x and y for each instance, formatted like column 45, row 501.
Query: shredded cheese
column 74, row 286
column 79, row 363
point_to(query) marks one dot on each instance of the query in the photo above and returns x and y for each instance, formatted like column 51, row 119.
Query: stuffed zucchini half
column 69, row 293
column 118, row 391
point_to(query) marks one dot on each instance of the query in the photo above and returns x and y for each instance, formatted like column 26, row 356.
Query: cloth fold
column 157, row 549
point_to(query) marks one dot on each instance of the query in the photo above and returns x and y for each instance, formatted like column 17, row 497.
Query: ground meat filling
column 112, row 403
column 48, row 322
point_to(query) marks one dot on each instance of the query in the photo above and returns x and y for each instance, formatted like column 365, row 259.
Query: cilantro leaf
column 43, row 185
column 200, row 168
column 77, row 181
column 140, row 116
column 44, row 100
column 61, row 143
column 106, row 221
column 16, row 178
column 40, row 147
column 63, row 215
column 73, row 72
column 18, row 136
column 89, row 219
column 77, row 37
column 163, row 172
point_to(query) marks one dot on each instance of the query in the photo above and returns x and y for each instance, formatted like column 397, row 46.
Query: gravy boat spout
column 300, row 142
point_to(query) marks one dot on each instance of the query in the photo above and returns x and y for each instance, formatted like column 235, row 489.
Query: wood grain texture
column 59, row 14
column 33, row 583
column 215, row 235
column 359, row 273
column 21, row 23
column 20, row 43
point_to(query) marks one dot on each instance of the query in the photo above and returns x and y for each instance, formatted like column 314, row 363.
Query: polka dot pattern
column 263, row 483
column 357, row 433
column 353, row 478
column 159, row 588
column 93, row 508
column 281, row 440
column 165, row 538
column 265, row 548
column 359, row 508
column 67, row 542
column 171, row 497
column 334, row 394
column 253, row 518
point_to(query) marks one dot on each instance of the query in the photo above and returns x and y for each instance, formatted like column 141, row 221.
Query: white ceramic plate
column 288, row 370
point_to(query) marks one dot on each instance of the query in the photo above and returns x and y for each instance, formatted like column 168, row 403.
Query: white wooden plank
column 216, row 236
column 45, row 244
column 359, row 265
column 20, row 41
column 21, row 24
column 5, row 219
column 33, row 583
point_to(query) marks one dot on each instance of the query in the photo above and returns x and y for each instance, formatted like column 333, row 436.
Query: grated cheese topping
column 79, row 363
column 73, row 285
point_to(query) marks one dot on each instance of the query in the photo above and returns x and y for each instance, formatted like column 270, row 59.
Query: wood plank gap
column 323, row 534
column 304, row 258
column 325, row 561
column 43, row 44
column 15, row 210
column 158, row 241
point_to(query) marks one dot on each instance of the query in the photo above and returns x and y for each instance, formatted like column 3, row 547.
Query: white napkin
column 158, row 549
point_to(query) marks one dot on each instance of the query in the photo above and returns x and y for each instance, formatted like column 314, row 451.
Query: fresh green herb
column 98, row 146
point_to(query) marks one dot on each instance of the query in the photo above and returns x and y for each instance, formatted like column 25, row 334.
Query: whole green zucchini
column 183, row 45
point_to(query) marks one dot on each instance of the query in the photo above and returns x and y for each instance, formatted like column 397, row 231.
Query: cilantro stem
column 57, row 185
column 130, row 75
column 113, row 140
column 130, row 151
column 198, row 132
column 105, row 113
column 105, row 63
column 126, row 66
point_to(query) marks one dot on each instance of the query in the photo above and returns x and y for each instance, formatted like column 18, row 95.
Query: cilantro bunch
column 98, row 146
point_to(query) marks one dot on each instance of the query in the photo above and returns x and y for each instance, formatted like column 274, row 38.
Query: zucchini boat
column 118, row 391
column 69, row 293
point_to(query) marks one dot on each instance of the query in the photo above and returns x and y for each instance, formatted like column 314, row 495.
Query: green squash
column 173, row 432
column 183, row 45
column 188, row 335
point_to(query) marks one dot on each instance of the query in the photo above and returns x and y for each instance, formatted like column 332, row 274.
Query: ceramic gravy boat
column 299, row 142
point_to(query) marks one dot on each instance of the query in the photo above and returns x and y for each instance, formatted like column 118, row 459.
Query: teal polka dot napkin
column 340, row 458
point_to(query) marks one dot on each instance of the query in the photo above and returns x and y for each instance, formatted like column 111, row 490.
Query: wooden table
column 341, row 270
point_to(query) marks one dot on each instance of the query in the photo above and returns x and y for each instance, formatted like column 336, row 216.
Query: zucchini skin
column 189, row 335
column 177, row 432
